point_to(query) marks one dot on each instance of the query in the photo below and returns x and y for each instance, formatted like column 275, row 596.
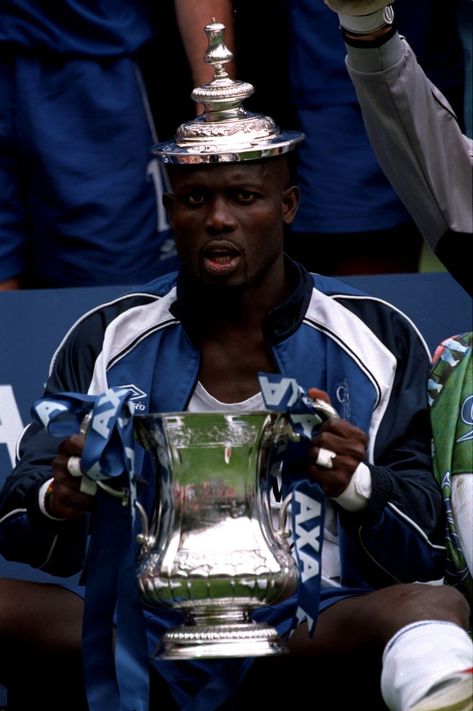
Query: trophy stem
column 230, row 633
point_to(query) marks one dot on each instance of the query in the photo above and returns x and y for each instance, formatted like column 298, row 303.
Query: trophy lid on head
column 225, row 132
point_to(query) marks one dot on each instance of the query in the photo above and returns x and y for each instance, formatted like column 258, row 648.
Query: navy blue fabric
column 81, row 27
column 79, row 189
column 415, row 292
column 342, row 187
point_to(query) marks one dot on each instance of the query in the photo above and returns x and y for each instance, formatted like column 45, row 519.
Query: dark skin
column 40, row 646
column 229, row 226
column 229, row 222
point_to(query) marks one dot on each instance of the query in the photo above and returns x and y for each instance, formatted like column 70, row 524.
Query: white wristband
column 357, row 494
column 42, row 500
column 365, row 24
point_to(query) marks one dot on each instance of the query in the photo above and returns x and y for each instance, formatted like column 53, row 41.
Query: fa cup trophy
column 211, row 549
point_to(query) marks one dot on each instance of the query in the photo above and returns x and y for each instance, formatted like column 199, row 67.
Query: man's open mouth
column 220, row 258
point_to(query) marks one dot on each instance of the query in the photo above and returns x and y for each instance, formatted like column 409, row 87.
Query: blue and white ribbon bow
column 109, row 443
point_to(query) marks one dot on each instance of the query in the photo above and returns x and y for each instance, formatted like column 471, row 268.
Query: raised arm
column 191, row 14
column 413, row 130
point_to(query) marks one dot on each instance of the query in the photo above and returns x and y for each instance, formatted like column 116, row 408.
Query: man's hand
column 65, row 499
column 343, row 448
column 356, row 7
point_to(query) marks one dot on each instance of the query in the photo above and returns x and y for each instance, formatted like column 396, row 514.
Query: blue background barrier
column 32, row 324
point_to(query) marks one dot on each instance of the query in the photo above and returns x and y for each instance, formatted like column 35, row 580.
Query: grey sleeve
column 416, row 138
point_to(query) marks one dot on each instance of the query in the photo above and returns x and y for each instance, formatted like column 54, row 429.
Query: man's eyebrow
column 190, row 186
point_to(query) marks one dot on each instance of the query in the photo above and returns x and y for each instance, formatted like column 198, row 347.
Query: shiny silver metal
column 211, row 550
column 225, row 132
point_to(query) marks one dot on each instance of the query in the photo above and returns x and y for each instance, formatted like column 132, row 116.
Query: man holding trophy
column 242, row 330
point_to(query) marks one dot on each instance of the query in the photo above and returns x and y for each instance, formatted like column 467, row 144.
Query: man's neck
column 242, row 307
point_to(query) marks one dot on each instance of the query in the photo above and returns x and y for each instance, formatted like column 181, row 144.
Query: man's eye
column 246, row 196
column 196, row 197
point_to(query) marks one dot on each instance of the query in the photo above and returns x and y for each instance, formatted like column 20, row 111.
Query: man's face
column 228, row 219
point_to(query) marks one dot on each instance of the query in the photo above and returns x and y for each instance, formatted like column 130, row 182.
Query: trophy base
column 214, row 641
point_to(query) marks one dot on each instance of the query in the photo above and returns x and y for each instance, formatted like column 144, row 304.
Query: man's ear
column 290, row 204
column 168, row 203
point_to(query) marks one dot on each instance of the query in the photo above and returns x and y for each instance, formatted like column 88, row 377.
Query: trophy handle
column 282, row 521
column 84, row 425
column 145, row 539
column 282, row 533
column 325, row 410
column 88, row 486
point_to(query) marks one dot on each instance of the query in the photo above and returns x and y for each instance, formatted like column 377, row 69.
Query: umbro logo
column 138, row 394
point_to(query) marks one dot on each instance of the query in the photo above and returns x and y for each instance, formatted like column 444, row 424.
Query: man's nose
column 220, row 217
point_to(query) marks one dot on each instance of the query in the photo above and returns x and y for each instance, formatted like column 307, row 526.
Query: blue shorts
column 208, row 680
column 80, row 194
column 211, row 682
column 342, row 187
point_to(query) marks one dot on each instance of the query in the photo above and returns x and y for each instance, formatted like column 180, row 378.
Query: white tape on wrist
column 366, row 24
column 356, row 7
column 87, row 486
column 42, row 500
column 358, row 492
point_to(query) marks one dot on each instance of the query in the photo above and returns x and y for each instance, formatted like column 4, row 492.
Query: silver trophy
column 225, row 132
column 211, row 549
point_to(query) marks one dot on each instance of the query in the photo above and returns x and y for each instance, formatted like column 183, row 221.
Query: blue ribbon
column 307, row 512
column 283, row 394
column 108, row 453
column 109, row 443
column 116, row 675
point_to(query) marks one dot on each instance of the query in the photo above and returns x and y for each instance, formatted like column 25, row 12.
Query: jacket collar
column 280, row 322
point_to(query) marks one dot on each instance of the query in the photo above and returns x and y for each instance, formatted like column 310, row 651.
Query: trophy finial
column 217, row 53
column 225, row 131
column 222, row 97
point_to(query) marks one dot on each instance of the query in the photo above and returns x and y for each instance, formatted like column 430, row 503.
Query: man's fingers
column 317, row 394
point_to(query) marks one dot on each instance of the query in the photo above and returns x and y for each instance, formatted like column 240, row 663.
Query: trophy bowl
column 210, row 548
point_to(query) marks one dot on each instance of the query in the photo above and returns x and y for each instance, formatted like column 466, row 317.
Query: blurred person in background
column 80, row 195
column 350, row 219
